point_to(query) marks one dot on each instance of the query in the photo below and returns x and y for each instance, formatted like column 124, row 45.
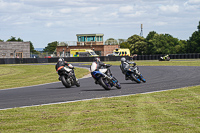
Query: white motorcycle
column 104, row 78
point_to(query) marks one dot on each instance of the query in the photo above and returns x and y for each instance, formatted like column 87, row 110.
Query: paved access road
column 158, row 78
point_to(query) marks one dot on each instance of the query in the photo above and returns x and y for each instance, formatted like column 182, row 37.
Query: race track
column 158, row 78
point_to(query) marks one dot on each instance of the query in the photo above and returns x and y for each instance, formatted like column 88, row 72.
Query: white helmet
column 97, row 59
column 60, row 59
column 123, row 59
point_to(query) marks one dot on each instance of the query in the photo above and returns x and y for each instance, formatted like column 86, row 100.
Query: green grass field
column 25, row 75
column 168, row 111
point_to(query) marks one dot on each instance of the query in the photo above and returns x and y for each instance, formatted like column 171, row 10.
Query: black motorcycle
column 133, row 74
column 67, row 77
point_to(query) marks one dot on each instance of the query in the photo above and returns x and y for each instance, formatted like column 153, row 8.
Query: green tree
column 163, row 44
column 194, row 41
column 14, row 39
column 138, row 44
column 124, row 45
column 150, row 35
column 183, row 46
column 32, row 49
column 111, row 41
column 50, row 48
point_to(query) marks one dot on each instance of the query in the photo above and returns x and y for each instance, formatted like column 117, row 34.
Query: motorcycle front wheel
column 65, row 82
column 77, row 83
column 104, row 83
column 118, row 86
column 136, row 79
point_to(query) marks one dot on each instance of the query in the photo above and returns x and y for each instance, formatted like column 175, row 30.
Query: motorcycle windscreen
column 67, row 69
column 103, row 70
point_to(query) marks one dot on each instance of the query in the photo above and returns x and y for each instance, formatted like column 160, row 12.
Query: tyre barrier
column 90, row 59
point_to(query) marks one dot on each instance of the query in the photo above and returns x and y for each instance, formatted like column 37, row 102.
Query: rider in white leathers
column 96, row 65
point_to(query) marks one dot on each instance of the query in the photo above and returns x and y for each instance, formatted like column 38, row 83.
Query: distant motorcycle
column 104, row 78
column 133, row 74
column 164, row 58
column 67, row 77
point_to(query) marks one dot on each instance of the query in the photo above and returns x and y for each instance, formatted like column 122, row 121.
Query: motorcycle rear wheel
column 64, row 82
column 104, row 83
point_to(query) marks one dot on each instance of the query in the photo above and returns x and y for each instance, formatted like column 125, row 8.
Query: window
column 19, row 55
column 99, row 38
column 81, row 39
column 90, row 38
column 11, row 55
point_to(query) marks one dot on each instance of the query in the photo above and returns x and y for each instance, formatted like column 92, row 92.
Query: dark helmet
column 97, row 59
column 123, row 59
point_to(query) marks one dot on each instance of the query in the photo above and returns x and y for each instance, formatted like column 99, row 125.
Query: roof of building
column 99, row 34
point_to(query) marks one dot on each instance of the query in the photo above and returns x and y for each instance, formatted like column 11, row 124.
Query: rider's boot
column 126, row 77
column 59, row 78
column 96, row 82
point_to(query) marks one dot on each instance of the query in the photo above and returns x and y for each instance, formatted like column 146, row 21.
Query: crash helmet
column 123, row 59
column 60, row 59
column 97, row 59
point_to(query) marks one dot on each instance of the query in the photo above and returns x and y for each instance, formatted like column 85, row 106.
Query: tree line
column 154, row 43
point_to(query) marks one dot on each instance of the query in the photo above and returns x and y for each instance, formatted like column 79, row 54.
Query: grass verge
column 163, row 112
column 26, row 75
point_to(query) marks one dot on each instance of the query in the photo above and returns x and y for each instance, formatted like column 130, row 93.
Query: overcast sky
column 45, row 21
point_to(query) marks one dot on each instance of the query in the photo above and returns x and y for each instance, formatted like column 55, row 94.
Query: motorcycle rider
column 96, row 65
column 61, row 64
column 125, row 66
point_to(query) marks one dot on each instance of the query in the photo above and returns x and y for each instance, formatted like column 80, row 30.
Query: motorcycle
column 67, row 77
column 133, row 74
column 164, row 58
column 105, row 79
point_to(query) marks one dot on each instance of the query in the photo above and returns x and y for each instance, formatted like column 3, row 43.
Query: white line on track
column 88, row 99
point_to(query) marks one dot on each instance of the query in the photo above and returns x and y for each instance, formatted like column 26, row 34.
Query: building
column 14, row 49
column 87, row 41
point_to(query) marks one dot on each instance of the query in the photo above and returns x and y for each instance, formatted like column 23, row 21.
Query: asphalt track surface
column 158, row 78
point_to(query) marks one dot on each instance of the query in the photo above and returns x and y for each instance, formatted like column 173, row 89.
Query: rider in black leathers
column 125, row 66
column 60, row 64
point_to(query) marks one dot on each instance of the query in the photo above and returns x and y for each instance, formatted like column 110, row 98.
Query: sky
column 46, row 21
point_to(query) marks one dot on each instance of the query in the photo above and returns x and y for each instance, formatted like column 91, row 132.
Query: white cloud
column 193, row 2
column 169, row 8
column 65, row 10
column 192, row 5
column 30, row 17
column 126, row 9
column 49, row 24
column 161, row 23
column 136, row 14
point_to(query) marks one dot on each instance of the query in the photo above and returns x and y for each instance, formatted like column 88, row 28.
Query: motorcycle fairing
column 97, row 74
